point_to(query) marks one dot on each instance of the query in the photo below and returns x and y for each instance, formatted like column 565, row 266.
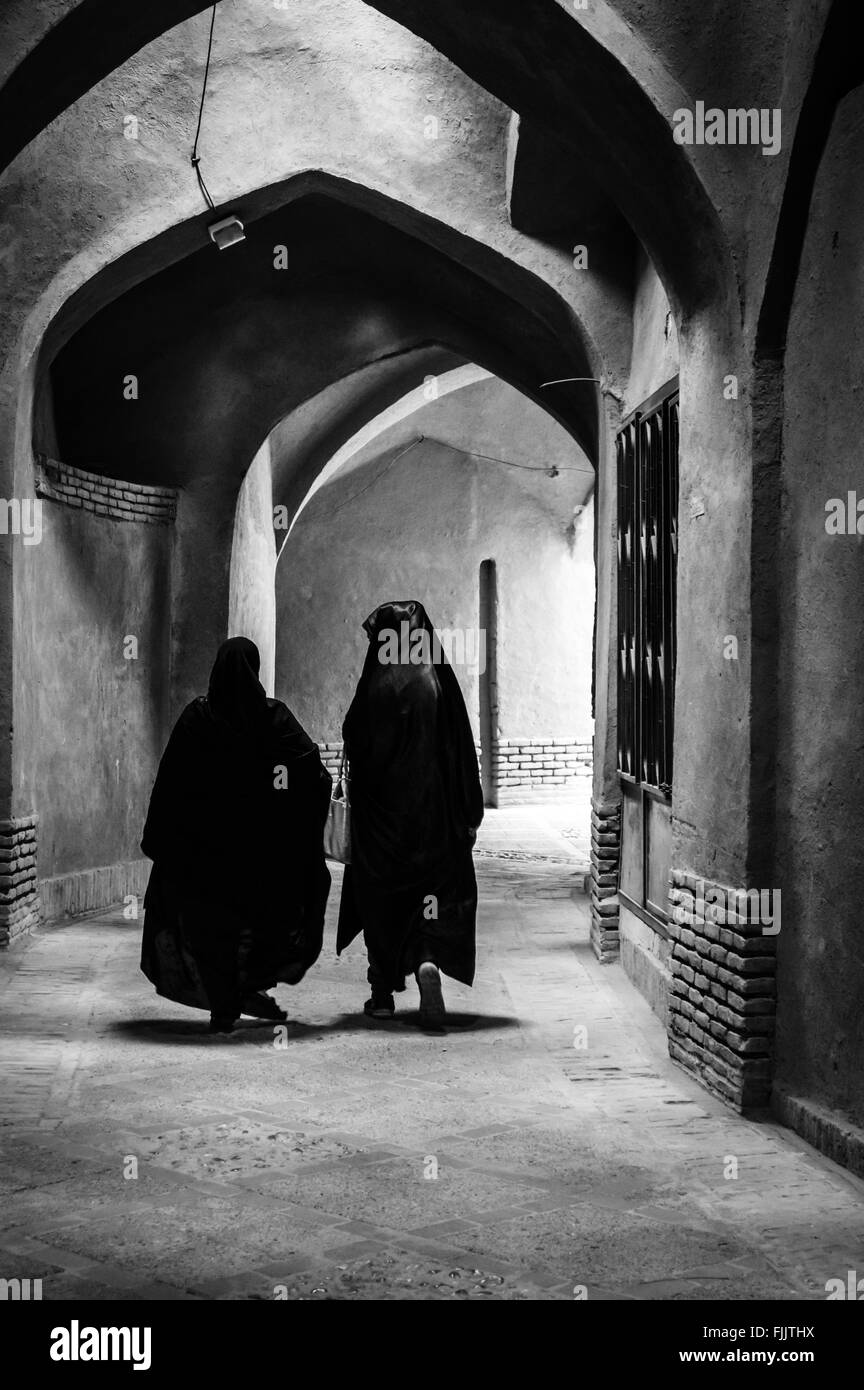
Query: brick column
column 605, row 861
column 722, row 1001
column 19, row 888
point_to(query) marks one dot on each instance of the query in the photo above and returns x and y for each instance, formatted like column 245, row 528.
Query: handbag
column 337, row 827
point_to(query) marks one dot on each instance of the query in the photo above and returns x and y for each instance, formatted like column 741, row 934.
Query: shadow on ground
column 250, row 1030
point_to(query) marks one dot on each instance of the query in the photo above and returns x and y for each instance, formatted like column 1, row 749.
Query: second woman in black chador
column 416, row 803
column 239, row 885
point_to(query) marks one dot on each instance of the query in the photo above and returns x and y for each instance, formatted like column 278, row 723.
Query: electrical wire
column 472, row 453
column 378, row 476
column 195, row 157
column 430, row 439
column 508, row 463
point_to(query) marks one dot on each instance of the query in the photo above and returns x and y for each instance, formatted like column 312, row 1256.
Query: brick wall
column 723, row 994
column 539, row 767
column 59, row 482
column 605, row 862
column 330, row 755
column 19, row 889
column 545, row 766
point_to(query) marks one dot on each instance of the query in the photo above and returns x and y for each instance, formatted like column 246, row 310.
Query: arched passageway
column 217, row 358
column 421, row 501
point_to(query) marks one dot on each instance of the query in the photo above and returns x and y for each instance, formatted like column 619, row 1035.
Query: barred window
column 647, row 460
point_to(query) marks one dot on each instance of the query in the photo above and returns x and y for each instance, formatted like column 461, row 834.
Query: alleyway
column 499, row 1161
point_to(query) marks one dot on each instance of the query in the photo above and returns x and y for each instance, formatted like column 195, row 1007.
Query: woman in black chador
column 416, row 803
column 238, row 888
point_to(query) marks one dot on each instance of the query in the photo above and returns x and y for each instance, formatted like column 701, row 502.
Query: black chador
column 239, row 885
column 416, row 803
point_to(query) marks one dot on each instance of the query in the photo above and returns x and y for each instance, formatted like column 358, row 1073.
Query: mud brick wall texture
column 59, row 482
column 540, row 762
column 723, row 997
column 19, row 891
column 605, row 859
column 535, row 763
column 330, row 755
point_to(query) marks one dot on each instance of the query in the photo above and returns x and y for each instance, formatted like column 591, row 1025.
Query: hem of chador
column 414, row 954
column 208, row 1008
column 398, row 982
column 172, row 998
column 460, row 979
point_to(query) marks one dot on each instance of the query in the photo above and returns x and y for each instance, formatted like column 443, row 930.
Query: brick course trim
column 92, row 492
column 605, row 864
column 722, row 999
column 19, row 888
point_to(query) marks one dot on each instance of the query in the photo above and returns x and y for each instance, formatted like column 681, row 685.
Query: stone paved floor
column 368, row 1160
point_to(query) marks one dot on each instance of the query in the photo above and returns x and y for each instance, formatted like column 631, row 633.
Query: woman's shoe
column 221, row 1025
column 380, row 1006
column 432, row 1010
column 261, row 1005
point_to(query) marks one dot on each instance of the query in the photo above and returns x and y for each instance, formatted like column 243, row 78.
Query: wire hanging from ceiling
column 508, row 463
column 379, row 475
column 195, row 157
column 424, row 438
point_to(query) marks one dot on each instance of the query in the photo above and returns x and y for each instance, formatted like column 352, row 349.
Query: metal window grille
column 647, row 460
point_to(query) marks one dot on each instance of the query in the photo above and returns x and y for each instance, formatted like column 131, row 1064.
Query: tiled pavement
column 365, row 1160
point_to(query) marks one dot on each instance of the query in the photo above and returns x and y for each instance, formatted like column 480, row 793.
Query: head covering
column 396, row 654
column 236, row 696
column 414, row 672
column 393, row 614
